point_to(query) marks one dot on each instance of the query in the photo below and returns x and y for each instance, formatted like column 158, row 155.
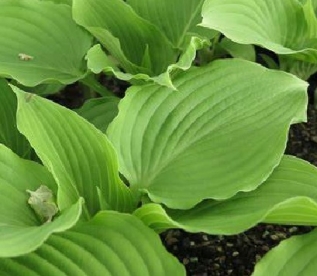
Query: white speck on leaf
column 25, row 57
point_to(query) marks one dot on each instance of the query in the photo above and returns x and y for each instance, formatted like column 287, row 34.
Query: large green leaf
column 285, row 27
column 223, row 132
column 293, row 257
column 110, row 244
column 100, row 112
column 176, row 19
column 40, row 42
column 9, row 134
column 80, row 157
column 288, row 196
column 20, row 228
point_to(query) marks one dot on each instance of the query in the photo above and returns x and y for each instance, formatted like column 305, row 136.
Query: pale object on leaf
column 25, row 57
column 42, row 203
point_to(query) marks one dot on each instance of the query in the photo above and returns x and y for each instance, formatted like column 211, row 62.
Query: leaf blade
column 294, row 256
column 128, row 45
column 282, row 27
column 27, row 28
column 109, row 244
column 79, row 163
column 164, row 139
column 9, row 134
column 100, row 112
column 20, row 230
column 288, row 196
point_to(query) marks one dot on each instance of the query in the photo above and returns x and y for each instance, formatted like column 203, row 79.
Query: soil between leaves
column 206, row 255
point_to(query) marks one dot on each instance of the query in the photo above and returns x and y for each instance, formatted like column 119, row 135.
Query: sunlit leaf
column 110, row 244
column 286, row 27
column 20, row 229
column 79, row 156
column 292, row 257
column 177, row 19
column 185, row 146
column 40, row 42
column 107, row 20
column 288, row 196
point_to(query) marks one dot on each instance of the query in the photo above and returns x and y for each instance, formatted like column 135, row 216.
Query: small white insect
column 25, row 57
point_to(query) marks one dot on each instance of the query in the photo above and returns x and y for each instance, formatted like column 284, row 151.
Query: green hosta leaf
column 9, row 134
column 141, row 50
column 68, row 2
column 198, row 143
column 98, row 61
column 80, row 157
column 20, row 229
column 44, row 89
column 100, row 112
column 156, row 217
column 292, row 257
column 176, row 19
column 238, row 50
column 110, row 244
column 285, row 27
column 288, row 196
column 107, row 20
column 269, row 61
column 40, row 42
column 299, row 68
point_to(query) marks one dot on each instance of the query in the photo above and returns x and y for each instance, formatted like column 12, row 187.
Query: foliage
column 200, row 148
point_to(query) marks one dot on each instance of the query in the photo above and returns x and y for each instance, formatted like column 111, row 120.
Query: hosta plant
column 288, row 28
column 87, row 192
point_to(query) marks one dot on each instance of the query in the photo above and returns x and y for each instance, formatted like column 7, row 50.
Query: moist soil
column 207, row 255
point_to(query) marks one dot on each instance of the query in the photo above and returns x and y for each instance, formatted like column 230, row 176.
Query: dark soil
column 205, row 255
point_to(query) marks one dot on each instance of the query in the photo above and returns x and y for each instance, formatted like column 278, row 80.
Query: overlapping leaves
column 288, row 196
column 21, row 230
column 83, row 165
column 110, row 244
column 149, row 49
column 287, row 28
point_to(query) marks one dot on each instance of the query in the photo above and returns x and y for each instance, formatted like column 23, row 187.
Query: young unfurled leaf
column 42, row 203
